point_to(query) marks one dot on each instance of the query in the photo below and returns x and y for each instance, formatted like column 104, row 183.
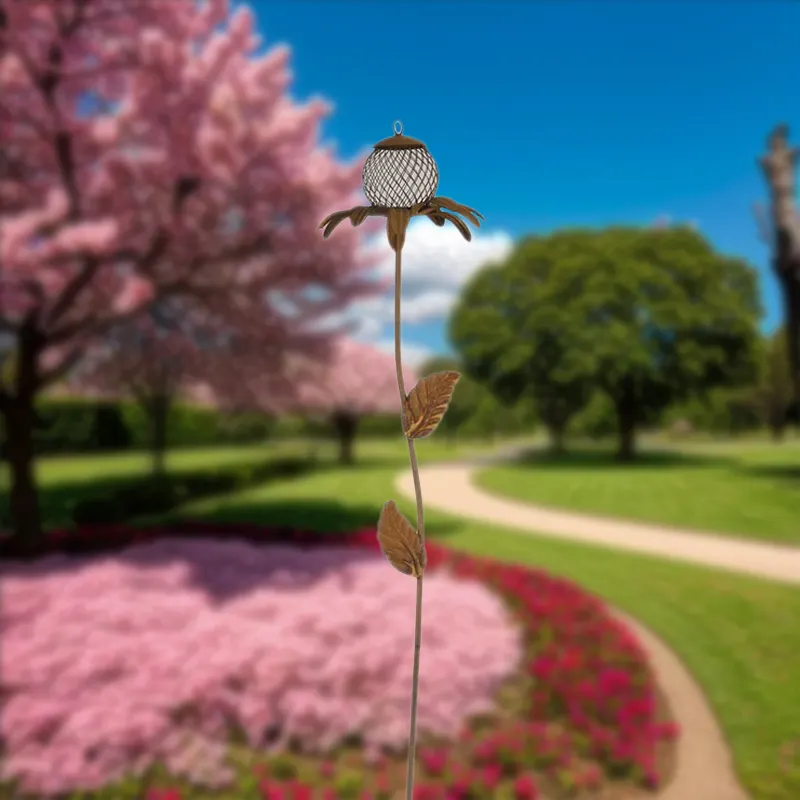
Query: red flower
column 327, row 769
column 270, row 792
column 572, row 659
column 491, row 776
column 543, row 668
column 164, row 794
column 298, row 791
column 458, row 789
column 429, row 791
column 434, row 761
column 667, row 730
column 525, row 788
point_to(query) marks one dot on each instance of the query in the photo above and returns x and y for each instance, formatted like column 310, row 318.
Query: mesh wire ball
column 400, row 177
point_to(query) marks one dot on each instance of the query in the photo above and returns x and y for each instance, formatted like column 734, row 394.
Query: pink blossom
column 311, row 644
column 164, row 157
column 357, row 379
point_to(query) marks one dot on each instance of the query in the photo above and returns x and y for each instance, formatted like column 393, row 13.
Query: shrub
column 141, row 499
column 195, row 426
column 77, row 425
column 65, row 426
column 291, row 427
column 109, row 431
column 720, row 411
column 151, row 496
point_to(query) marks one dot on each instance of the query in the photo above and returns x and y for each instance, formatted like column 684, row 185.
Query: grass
column 64, row 481
column 745, row 490
column 738, row 635
column 56, row 469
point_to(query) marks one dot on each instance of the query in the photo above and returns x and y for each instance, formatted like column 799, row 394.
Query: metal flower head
column 400, row 179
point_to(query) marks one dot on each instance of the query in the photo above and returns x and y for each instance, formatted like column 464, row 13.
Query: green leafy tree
column 490, row 418
column 724, row 410
column 473, row 410
column 465, row 400
column 494, row 331
column 597, row 419
column 650, row 317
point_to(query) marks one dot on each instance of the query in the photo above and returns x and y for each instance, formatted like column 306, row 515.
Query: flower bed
column 540, row 689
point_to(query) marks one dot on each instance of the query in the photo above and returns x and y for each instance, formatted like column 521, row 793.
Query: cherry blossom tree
column 150, row 151
column 164, row 355
column 357, row 380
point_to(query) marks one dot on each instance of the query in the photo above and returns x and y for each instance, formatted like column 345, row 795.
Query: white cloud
column 366, row 318
column 437, row 262
column 434, row 304
column 441, row 258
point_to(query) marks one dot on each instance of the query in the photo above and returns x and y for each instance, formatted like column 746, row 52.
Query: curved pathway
column 704, row 767
column 449, row 487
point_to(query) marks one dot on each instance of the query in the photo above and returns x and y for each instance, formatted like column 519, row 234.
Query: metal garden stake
column 400, row 179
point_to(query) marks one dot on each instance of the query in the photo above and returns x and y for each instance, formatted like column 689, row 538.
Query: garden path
column 704, row 768
column 449, row 487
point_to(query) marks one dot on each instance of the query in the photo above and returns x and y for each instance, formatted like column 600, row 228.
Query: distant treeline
column 67, row 425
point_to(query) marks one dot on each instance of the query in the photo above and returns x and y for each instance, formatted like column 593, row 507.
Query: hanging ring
column 398, row 127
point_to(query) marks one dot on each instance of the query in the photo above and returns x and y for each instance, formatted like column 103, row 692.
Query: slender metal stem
column 412, row 456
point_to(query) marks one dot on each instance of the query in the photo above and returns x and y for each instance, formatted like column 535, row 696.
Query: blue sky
column 549, row 114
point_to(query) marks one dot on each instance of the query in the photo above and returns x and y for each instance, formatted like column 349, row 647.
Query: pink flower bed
column 155, row 654
column 174, row 644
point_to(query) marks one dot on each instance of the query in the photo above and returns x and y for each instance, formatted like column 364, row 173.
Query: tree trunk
column 19, row 416
column 791, row 298
column 158, row 407
column 346, row 426
column 777, row 419
column 625, row 406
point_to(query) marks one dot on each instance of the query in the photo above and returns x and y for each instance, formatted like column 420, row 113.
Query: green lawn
column 67, row 480
column 749, row 490
column 56, row 469
column 739, row 636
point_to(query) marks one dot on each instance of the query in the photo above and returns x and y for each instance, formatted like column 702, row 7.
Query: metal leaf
column 400, row 543
column 358, row 215
column 332, row 221
column 427, row 402
column 459, row 223
column 471, row 214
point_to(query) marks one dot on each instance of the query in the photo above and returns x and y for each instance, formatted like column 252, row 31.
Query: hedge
column 67, row 425
column 77, row 425
column 149, row 496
